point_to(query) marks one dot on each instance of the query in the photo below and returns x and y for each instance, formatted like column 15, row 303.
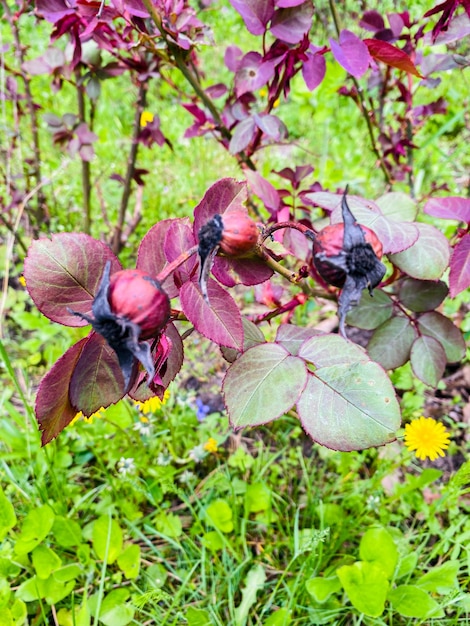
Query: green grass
column 134, row 520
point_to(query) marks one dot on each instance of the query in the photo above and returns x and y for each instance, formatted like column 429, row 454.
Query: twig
column 86, row 181
column 171, row 267
column 131, row 161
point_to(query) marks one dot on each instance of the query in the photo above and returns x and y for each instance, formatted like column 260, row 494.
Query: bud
column 129, row 307
column 347, row 255
column 234, row 233
column 328, row 243
column 239, row 234
column 137, row 297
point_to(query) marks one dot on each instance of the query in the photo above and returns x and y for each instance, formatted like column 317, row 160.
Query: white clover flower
column 126, row 466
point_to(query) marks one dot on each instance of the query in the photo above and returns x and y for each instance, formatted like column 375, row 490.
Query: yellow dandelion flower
column 428, row 437
column 263, row 92
column 146, row 118
column 210, row 445
column 276, row 103
column 22, row 281
column 152, row 404
column 96, row 414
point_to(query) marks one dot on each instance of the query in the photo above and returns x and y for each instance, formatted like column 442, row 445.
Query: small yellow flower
column 210, row 445
column 263, row 92
column 96, row 414
column 146, row 118
column 428, row 437
column 276, row 103
column 152, row 404
column 22, row 281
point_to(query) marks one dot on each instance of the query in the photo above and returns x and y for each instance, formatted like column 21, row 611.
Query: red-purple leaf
column 226, row 194
column 459, row 277
column 264, row 190
column 151, row 257
column 392, row 56
column 255, row 13
column 179, row 238
column 131, row 7
column 450, row 208
column 65, row 271
column 428, row 257
column 54, row 410
column 54, row 10
column 242, row 135
column 97, row 379
column 428, row 360
column 220, row 320
column 292, row 23
column 351, row 53
column 167, row 370
column 249, row 271
column 450, row 337
column 262, row 384
column 314, row 70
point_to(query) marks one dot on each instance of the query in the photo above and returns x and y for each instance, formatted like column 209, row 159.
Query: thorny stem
column 130, row 171
column 41, row 200
column 193, row 80
column 366, row 114
column 171, row 267
column 86, row 177
column 305, row 230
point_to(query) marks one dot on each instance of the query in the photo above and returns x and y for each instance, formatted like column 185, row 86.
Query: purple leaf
column 428, row 257
column 255, row 13
column 97, row 379
column 224, row 195
column 54, row 10
column 459, row 277
column 233, row 56
column 351, row 53
column 151, row 256
column 264, row 190
column 392, row 56
column 372, row 20
column 54, row 410
column 64, row 272
column 220, row 320
column 284, row 4
column 179, row 238
column 252, row 73
column 263, row 384
column 422, row 295
column 132, row 7
column 428, row 360
column 293, row 23
column 451, row 208
column 271, row 126
column 349, row 406
column 249, row 271
column 314, row 70
column 242, row 135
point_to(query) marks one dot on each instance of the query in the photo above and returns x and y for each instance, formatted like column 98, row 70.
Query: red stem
column 171, row 267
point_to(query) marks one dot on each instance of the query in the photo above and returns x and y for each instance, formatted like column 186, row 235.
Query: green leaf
column 67, row 532
column 107, row 538
column 129, row 561
column 377, row 546
column 5, row 593
column 321, row 588
column 255, row 580
column 35, row 529
column 328, row 350
column 198, row 617
column 219, row 515
column 422, row 295
column 114, row 610
column 292, row 337
column 250, row 383
column 445, row 332
column 397, row 206
column 428, row 360
column 169, row 524
column 68, row 572
column 411, row 601
column 391, row 343
column 371, row 312
column 212, row 541
column 350, row 407
column 427, row 258
column 54, row 591
column 440, row 579
column 7, row 515
column 407, row 565
column 366, row 585
column 45, row 561
column 257, row 498
column 281, row 617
